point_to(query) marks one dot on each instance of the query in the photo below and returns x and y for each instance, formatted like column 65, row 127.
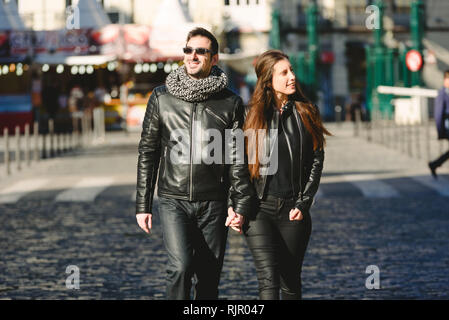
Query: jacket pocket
column 215, row 116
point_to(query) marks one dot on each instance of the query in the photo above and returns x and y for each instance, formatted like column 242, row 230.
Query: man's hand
column 295, row 214
column 235, row 220
column 144, row 221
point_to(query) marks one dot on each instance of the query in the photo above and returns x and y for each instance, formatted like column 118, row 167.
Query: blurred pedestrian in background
column 441, row 115
column 279, row 231
column 50, row 99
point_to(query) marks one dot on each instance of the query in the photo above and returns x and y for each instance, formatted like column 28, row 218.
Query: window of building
column 401, row 6
column 226, row 2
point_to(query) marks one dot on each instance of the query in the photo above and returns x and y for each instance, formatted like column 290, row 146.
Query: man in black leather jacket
column 193, row 191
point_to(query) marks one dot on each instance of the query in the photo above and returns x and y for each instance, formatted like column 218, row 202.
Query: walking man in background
column 193, row 195
column 441, row 115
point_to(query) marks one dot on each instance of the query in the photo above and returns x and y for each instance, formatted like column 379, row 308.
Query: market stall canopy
column 92, row 15
column 9, row 16
column 170, row 28
column 74, row 60
column 242, row 62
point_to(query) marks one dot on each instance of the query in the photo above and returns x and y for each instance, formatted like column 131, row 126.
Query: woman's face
column 284, row 79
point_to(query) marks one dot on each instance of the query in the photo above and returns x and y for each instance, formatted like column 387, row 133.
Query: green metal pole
column 417, row 21
column 300, row 67
column 405, row 72
column 379, row 61
column 379, row 48
column 312, row 39
column 369, row 77
column 275, row 34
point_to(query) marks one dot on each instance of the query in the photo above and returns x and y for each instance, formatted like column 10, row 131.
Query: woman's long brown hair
column 263, row 100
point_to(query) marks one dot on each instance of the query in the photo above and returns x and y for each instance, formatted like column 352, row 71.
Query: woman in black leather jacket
column 285, row 156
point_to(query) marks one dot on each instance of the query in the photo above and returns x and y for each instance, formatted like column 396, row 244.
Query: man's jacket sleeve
column 149, row 156
column 241, row 191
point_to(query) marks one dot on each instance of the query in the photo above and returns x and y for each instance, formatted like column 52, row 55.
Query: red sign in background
column 413, row 60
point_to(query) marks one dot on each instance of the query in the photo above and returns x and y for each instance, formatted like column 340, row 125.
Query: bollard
column 27, row 145
column 17, row 155
column 36, row 141
column 44, row 146
column 83, row 130
column 71, row 141
column 64, row 142
column 103, row 124
column 358, row 120
column 418, row 145
column 409, row 140
column 57, row 144
column 51, row 129
column 6, row 155
column 387, row 133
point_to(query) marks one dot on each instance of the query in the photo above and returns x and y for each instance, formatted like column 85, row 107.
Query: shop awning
column 166, row 37
column 242, row 62
column 9, row 17
column 74, row 60
column 92, row 15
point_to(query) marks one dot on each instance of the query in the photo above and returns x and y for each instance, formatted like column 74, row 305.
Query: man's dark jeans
column 195, row 239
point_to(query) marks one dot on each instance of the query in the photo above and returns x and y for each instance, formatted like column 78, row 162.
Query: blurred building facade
column 243, row 27
column 343, row 33
column 249, row 18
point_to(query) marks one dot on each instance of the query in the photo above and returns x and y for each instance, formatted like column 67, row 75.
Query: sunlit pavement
column 375, row 207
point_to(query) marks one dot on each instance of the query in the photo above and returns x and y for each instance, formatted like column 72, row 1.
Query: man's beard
column 199, row 74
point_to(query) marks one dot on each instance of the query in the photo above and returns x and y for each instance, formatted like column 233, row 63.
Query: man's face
column 446, row 82
column 198, row 66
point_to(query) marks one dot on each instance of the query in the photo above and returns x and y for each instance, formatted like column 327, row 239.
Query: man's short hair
column 446, row 74
column 204, row 33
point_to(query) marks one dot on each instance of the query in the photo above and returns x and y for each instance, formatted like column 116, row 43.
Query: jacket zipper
column 214, row 115
column 301, row 151
column 165, row 159
column 290, row 151
column 268, row 152
column 192, row 131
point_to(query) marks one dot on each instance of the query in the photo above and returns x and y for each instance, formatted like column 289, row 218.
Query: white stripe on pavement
column 319, row 194
column 371, row 187
column 19, row 189
column 86, row 190
column 133, row 196
column 440, row 185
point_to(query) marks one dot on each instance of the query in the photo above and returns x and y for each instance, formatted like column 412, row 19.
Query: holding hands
column 235, row 220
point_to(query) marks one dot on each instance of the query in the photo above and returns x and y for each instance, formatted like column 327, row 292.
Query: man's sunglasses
column 200, row 51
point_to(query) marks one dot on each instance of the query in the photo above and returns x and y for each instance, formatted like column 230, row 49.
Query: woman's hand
column 296, row 214
column 234, row 220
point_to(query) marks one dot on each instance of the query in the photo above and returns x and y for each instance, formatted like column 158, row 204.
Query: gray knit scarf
column 185, row 88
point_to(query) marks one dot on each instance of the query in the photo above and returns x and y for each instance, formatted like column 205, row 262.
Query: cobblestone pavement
column 375, row 207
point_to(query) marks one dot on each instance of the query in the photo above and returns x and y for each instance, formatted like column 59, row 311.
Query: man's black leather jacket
column 306, row 167
column 168, row 119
